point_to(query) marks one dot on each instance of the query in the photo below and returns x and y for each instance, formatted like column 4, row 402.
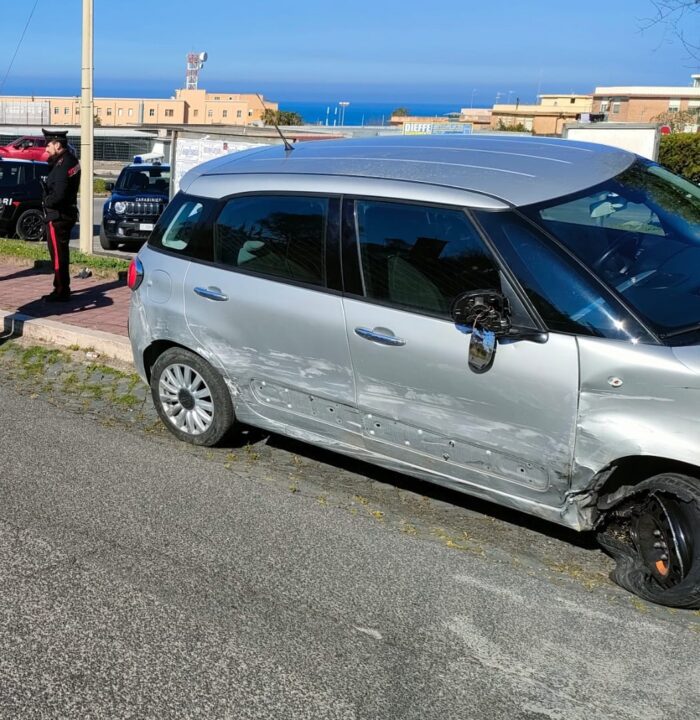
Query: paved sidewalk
column 96, row 316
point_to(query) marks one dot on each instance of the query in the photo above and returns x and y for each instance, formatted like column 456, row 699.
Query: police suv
column 138, row 198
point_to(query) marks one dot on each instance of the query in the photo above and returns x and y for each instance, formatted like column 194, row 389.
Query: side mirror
column 487, row 312
column 109, row 186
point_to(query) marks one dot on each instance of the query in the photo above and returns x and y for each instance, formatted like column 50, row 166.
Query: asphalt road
column 141, row 578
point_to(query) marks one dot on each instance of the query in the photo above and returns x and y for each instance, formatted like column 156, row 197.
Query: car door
column 269, row 307
column 511, row 429
column 37, row 149
column 12, row 179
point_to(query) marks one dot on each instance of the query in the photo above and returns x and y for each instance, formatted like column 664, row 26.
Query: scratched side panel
column 655, row 411
column 157, row 310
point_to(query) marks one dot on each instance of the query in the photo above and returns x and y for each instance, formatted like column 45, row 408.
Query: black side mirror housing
column 489, row 309
column 487, row 313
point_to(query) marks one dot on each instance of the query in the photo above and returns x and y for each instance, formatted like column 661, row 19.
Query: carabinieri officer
column 61, row 208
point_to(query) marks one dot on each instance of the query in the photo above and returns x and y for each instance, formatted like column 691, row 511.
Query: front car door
column 508, row 433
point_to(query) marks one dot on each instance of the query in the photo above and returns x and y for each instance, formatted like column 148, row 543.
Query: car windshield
column 640, row 233
column 144, row 180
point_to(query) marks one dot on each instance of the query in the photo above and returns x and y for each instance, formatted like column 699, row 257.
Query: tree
column 400, row 112
column 290, row 118
column 269, row 116
column 680, row 19
column 678, row 121
column 281, row 117
column 512, row 127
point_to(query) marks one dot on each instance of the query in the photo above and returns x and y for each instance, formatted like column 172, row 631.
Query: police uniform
column 61, row 208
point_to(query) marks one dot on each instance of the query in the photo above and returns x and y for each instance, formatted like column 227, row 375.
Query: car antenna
column 287, row 145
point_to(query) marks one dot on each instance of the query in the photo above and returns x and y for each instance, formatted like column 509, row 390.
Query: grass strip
column 20, row 249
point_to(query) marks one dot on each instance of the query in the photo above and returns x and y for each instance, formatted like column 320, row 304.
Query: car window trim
column 353, row 280
column 331, row 242
column 597, row 281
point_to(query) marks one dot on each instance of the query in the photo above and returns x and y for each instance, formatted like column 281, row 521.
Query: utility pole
column 86, row 133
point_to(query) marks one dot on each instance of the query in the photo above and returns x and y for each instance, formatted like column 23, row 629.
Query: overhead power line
column 19, row 44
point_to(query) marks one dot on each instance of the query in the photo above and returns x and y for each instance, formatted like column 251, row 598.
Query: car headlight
column 119, row 208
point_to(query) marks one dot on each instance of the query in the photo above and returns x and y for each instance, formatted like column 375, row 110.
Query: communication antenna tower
column 195, row 62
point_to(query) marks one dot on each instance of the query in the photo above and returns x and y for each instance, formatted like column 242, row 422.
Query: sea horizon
column 363, row 113
column 313, row 112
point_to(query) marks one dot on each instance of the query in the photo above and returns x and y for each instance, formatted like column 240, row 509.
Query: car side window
column 567, row 299
column 10, row 174
column 182, row 228
column 421, row 257
column 282, row 236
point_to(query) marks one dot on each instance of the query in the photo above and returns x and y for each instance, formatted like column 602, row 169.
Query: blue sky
column 379, row 50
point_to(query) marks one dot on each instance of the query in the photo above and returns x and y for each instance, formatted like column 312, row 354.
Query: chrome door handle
column 381, row 338
column 211, row 293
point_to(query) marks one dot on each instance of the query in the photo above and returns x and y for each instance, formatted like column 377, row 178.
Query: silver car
column 514, row 318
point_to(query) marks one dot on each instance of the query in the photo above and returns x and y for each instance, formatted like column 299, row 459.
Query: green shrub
column 99, row 186
column 680, row 153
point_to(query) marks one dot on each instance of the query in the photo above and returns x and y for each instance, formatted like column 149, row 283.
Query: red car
column 29, row 147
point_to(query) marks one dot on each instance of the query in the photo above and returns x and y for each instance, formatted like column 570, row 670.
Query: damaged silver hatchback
column 514, row 318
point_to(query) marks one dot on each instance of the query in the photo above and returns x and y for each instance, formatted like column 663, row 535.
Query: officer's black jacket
column 62, row 183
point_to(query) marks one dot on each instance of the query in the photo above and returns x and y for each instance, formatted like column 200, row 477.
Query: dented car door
column 510, row 429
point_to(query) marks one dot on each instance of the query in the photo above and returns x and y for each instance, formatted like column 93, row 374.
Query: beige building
column 547, row 117
column 480, row 118
column 645, row 103
column 188, row 107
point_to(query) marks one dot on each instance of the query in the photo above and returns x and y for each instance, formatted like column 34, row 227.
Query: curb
column 19, row 325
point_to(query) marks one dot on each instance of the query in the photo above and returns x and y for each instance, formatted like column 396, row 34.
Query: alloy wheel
column 186, row 399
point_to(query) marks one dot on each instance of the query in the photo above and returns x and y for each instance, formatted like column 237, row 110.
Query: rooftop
column 650, row 91
column 517, row 170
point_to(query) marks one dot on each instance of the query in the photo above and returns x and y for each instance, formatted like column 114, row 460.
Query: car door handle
column 211, row 293
column 378, row 337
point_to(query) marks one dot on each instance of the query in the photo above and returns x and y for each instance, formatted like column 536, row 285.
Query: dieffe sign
column 437, row 128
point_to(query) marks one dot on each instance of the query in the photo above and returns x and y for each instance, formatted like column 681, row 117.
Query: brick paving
column 97, row 303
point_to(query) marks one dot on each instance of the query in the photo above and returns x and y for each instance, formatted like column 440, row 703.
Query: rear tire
column 30, row 225
column 654, row 535
column 191, row 397
column 105, row 242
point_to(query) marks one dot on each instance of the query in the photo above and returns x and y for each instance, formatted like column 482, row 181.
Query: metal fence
column 24, row 112
column 107, row 148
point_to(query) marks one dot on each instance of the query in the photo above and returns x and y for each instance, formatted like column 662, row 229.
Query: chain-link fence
column 107, row 148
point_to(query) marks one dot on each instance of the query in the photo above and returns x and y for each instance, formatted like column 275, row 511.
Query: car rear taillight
column 134, row 276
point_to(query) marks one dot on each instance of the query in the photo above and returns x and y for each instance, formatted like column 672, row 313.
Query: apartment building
column 547, row 117
column 187, row 107
column 646, row 103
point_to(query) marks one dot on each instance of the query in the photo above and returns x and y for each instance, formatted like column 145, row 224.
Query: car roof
column 141, row 166
column 23, row 160
column 517, row 170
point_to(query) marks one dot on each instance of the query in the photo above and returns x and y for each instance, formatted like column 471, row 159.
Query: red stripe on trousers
column 52, row 234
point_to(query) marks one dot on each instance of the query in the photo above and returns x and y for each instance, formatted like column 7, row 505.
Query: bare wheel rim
column 186, row 399
column 661, row 537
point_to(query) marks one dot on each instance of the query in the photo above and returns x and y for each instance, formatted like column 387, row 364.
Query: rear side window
column 11, row 174
column 183, row 227
column 281, row 236
column 421, row 257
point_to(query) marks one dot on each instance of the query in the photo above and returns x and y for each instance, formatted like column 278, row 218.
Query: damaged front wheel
column 653, row 532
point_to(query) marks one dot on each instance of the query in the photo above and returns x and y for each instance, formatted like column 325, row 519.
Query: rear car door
column 269, row 307
column 13, row 176
column 511, row 429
